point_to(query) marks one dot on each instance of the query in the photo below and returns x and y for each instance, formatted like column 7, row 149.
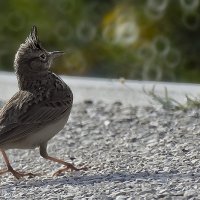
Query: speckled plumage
column 41, row 103
column 40, row 108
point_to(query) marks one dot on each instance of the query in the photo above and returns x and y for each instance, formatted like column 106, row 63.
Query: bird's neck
column 33, row 81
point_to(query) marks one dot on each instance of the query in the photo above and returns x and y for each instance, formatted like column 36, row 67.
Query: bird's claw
column 18, row 175
column 69, row 167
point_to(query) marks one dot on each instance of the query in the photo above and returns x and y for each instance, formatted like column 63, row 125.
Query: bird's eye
column 43, row 57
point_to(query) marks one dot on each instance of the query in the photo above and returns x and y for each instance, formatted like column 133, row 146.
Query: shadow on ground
column 93, row 179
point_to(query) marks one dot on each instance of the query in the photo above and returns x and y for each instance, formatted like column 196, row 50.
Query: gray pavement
column 108, row 90
column 133, row 150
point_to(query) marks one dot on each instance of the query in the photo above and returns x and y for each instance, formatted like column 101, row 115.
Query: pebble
column 130, row 152
column 121, row 197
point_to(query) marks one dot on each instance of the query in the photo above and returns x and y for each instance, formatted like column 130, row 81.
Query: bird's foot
column 67, row 167
column 16, row 174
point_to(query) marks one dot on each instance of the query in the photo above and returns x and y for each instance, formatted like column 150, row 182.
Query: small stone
column 133, row 140
column 121, row 197
column 106, row 123
column 117, row 103
column 153, row 124
column 72, row 158
column 88, row 102
column 190, row 193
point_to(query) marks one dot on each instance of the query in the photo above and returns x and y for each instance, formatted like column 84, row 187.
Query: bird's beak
column 55, row 54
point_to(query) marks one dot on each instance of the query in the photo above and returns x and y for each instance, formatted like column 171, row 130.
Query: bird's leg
column 16, row 174
column 68, row 166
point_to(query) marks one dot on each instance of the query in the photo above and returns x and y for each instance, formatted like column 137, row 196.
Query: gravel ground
column 132, row 152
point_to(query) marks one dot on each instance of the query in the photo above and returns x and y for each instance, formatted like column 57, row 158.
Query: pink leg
column 68, row 166
column 16, row 174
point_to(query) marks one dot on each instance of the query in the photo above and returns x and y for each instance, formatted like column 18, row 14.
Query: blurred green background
column 135, row 39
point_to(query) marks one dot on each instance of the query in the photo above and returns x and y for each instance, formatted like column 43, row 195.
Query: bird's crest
column 32, row 39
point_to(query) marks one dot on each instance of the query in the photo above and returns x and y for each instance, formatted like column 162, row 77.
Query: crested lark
column 41, row 107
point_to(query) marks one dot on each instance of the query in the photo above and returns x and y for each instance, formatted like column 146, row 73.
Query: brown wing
column 23, row 114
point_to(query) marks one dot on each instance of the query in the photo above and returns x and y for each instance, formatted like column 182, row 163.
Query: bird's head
column 31, row 58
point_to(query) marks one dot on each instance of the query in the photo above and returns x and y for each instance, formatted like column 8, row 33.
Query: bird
column 39, row 109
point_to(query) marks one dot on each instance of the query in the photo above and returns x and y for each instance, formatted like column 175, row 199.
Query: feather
column 19, row 117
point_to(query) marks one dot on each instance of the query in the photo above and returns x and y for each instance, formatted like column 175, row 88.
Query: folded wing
column 24, row 114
